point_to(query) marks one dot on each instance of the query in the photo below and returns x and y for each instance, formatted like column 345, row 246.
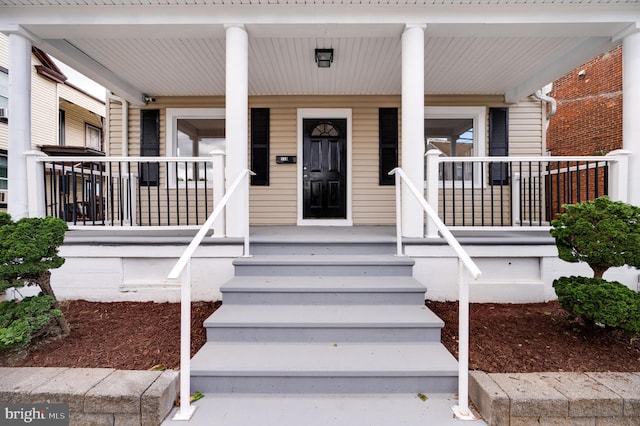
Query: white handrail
column 464, row 261
column 186, row 255
column 446, row 234
column 185, row 411
column 538, row 159
column 110, row 159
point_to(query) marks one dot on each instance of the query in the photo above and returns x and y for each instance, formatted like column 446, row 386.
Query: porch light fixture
column 324, row 57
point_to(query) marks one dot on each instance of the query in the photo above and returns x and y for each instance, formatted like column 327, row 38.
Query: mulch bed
column 503, row 338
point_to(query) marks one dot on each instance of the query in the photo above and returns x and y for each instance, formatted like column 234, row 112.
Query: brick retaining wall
column 96, row 396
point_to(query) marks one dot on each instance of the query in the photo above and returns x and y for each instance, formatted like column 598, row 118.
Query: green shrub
column 19, row 320
column 602, row 233
column 597, row 301
column 28, row 251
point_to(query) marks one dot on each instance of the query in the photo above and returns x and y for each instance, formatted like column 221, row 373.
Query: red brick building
column 589, row 116
column 588, row 122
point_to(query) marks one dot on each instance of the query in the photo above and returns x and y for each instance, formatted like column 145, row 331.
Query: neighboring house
column 64, row 118
column 587, row 120
column 321, row 101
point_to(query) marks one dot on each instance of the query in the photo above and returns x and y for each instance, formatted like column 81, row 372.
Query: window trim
column 5, row 71
column 88, row 130
column 171, row 132
column 479, row 116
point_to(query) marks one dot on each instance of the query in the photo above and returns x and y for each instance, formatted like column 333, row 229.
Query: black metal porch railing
column 166, row 192
column 516, row 193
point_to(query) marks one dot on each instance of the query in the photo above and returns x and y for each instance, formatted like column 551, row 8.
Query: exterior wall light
column 324, row 57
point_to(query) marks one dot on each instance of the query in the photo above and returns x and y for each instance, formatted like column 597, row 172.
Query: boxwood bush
column 28, row 251
column 603, row 234
column 597, row 301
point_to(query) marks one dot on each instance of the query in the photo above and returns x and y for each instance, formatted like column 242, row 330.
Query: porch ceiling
column 497, row 49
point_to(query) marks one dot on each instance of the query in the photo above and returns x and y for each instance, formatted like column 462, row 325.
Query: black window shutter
column 499, row 145
column 260, row 146
column 149, row 146
column 388, row 140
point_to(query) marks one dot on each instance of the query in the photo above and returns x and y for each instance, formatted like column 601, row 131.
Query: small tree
column 602, row 233
column 28, row 251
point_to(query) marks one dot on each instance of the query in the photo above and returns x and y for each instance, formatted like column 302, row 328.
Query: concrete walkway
column 324, row 410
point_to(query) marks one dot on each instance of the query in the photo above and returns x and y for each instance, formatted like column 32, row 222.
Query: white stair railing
column 185, row 411
column 464, row 262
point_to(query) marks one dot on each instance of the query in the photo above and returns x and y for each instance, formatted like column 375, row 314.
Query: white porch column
column 413, row 126
column 19, row 124
column 237, row 122
column 631, row 111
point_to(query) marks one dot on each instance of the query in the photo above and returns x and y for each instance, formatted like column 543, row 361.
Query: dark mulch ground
column 504, row 338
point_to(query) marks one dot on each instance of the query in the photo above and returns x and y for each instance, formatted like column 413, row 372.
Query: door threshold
column 325, row 222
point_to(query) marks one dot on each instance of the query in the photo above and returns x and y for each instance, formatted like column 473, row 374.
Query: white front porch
column 244, row 50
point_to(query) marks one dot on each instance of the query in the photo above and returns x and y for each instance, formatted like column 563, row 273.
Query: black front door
column 324, row 168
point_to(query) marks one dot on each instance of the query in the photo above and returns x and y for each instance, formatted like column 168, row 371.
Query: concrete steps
column 309, row 321
column 325, row 265
column 311, row 367
column 323, row 323
column 334, row 290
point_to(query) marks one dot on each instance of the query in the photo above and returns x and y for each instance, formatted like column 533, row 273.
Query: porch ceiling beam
column 545, row 73
column 52, row 19
column 77, row 59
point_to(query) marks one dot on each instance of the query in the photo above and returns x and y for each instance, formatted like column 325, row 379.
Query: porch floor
column 310, row 234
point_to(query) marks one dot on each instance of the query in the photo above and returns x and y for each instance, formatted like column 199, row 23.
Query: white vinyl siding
column 44, row 109
column 81, row 100
column 75, row 119
column 4, row 51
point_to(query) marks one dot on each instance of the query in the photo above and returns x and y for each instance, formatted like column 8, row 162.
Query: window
column 92, row 137
column 260, row 146
column 387, row 144
column 4, row 94
column 194, row 132
column 4, row 185
column 150, row 146
column 61, row 128
column 457, row 132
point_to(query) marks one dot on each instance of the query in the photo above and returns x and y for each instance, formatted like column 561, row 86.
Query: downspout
column 548, row 99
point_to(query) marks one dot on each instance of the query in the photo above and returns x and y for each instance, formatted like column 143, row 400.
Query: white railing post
column 465, row 262
column 246, row 205
column 218, row 162
column 185, row 411
column 619, row 175
column 131, row 200
column 398, row 212
column 35, row 184
column 462, row 409
column 433, row 166
column 516, row 201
